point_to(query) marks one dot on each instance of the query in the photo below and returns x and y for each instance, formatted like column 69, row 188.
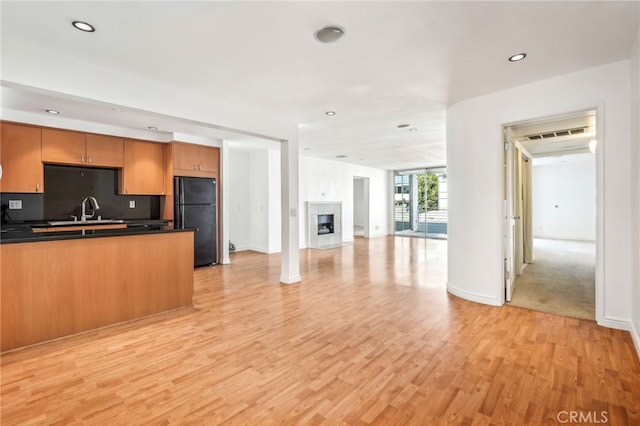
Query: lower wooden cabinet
column 52, row 289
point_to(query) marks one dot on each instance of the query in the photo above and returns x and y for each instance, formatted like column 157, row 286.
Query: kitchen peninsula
column 58, row 285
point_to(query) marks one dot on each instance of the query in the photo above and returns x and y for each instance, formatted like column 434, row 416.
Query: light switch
column 132, row 204
column 15, row 204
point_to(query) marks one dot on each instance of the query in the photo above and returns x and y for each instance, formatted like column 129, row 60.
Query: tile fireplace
column 325, row 224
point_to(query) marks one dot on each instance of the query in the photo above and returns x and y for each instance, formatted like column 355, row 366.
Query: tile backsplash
column 66, row 186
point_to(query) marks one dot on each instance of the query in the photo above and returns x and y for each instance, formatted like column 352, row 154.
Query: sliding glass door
column 420, row 202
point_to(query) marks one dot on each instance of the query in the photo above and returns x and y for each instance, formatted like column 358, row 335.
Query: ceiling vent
column 558, row 133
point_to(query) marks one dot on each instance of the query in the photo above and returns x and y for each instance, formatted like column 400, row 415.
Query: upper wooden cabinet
column 20, row 156
column 69, row 147
column 195, row 160
column 143, row 171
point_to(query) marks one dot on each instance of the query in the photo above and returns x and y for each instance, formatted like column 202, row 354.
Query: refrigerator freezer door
column 202, row 219
column 195, row 190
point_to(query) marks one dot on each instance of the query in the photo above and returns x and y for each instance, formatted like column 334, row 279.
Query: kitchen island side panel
column 52, row 289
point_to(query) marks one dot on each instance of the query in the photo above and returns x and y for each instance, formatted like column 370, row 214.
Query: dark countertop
column 22, row 233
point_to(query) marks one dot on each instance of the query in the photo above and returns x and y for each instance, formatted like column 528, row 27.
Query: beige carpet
column 561, row 279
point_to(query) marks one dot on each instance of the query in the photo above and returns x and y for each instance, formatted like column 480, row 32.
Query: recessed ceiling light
column 517, row 57
column 330, row 113
column 329, row 34
column 52, row 111
column 152, row 128
column 401, row 126
column 83, row 26
column 413, row 130
column 341, row 156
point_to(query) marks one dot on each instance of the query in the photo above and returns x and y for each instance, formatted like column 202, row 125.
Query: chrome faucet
column 93, row 205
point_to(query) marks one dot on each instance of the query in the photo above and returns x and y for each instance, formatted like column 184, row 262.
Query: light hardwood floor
column 369, row 337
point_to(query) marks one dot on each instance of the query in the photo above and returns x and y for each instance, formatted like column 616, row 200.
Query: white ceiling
column 235, row 70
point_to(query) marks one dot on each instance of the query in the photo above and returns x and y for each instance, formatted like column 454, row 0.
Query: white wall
column 255, row 197
column 474, row 149
column 325, row 180
column 635, row 194
column 239, row 201
column 359, row 209
column 259, row 200
column 275, row 207
column 254, row 200
column 564, row 198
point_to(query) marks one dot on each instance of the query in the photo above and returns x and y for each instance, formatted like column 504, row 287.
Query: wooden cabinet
column 69, row 147
column 143, row 171
column 195, row 160
column 21, row 159
column 105, row 151
column 52, row 289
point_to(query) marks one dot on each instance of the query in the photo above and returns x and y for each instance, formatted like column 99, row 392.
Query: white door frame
column 509, row 215
column 600, row 205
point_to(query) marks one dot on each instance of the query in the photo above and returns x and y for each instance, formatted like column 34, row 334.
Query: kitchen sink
column 86, row 222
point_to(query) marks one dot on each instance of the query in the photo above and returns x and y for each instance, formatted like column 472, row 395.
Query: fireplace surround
column 325, row 224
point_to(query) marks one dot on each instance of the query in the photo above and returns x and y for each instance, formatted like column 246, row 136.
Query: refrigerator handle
column 181, row 183
column 181, row 216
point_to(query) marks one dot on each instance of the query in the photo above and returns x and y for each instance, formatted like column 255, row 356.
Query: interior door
column 509, row 214
column 518, row 207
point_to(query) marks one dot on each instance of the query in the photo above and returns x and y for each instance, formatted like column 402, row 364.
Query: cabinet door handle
column 89, row 160
column 198, row 166
column 82, row 159
column 37, row 187
column 195, row 167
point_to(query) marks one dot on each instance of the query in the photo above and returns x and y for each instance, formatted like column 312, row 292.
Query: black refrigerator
column 195, row 208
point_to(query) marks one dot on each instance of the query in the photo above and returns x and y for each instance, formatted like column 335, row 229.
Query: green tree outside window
column 430, row 181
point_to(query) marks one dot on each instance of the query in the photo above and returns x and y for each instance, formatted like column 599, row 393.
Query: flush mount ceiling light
column 83, row 26
column 52, row 111
column 517, row 57
column 329, row 34
column 413, row 130
column 330, row 113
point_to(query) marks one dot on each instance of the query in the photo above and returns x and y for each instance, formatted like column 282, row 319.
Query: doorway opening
column 420, row 203
column 550, row 208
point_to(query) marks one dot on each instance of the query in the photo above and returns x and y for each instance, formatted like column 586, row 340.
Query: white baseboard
column 294, row 279
column 376, row 235
column 474, row 297
column 635, row 336
column 264, row 250
column 621, row 324
column 243, row 248
column 617, row 323
column 566, row 238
